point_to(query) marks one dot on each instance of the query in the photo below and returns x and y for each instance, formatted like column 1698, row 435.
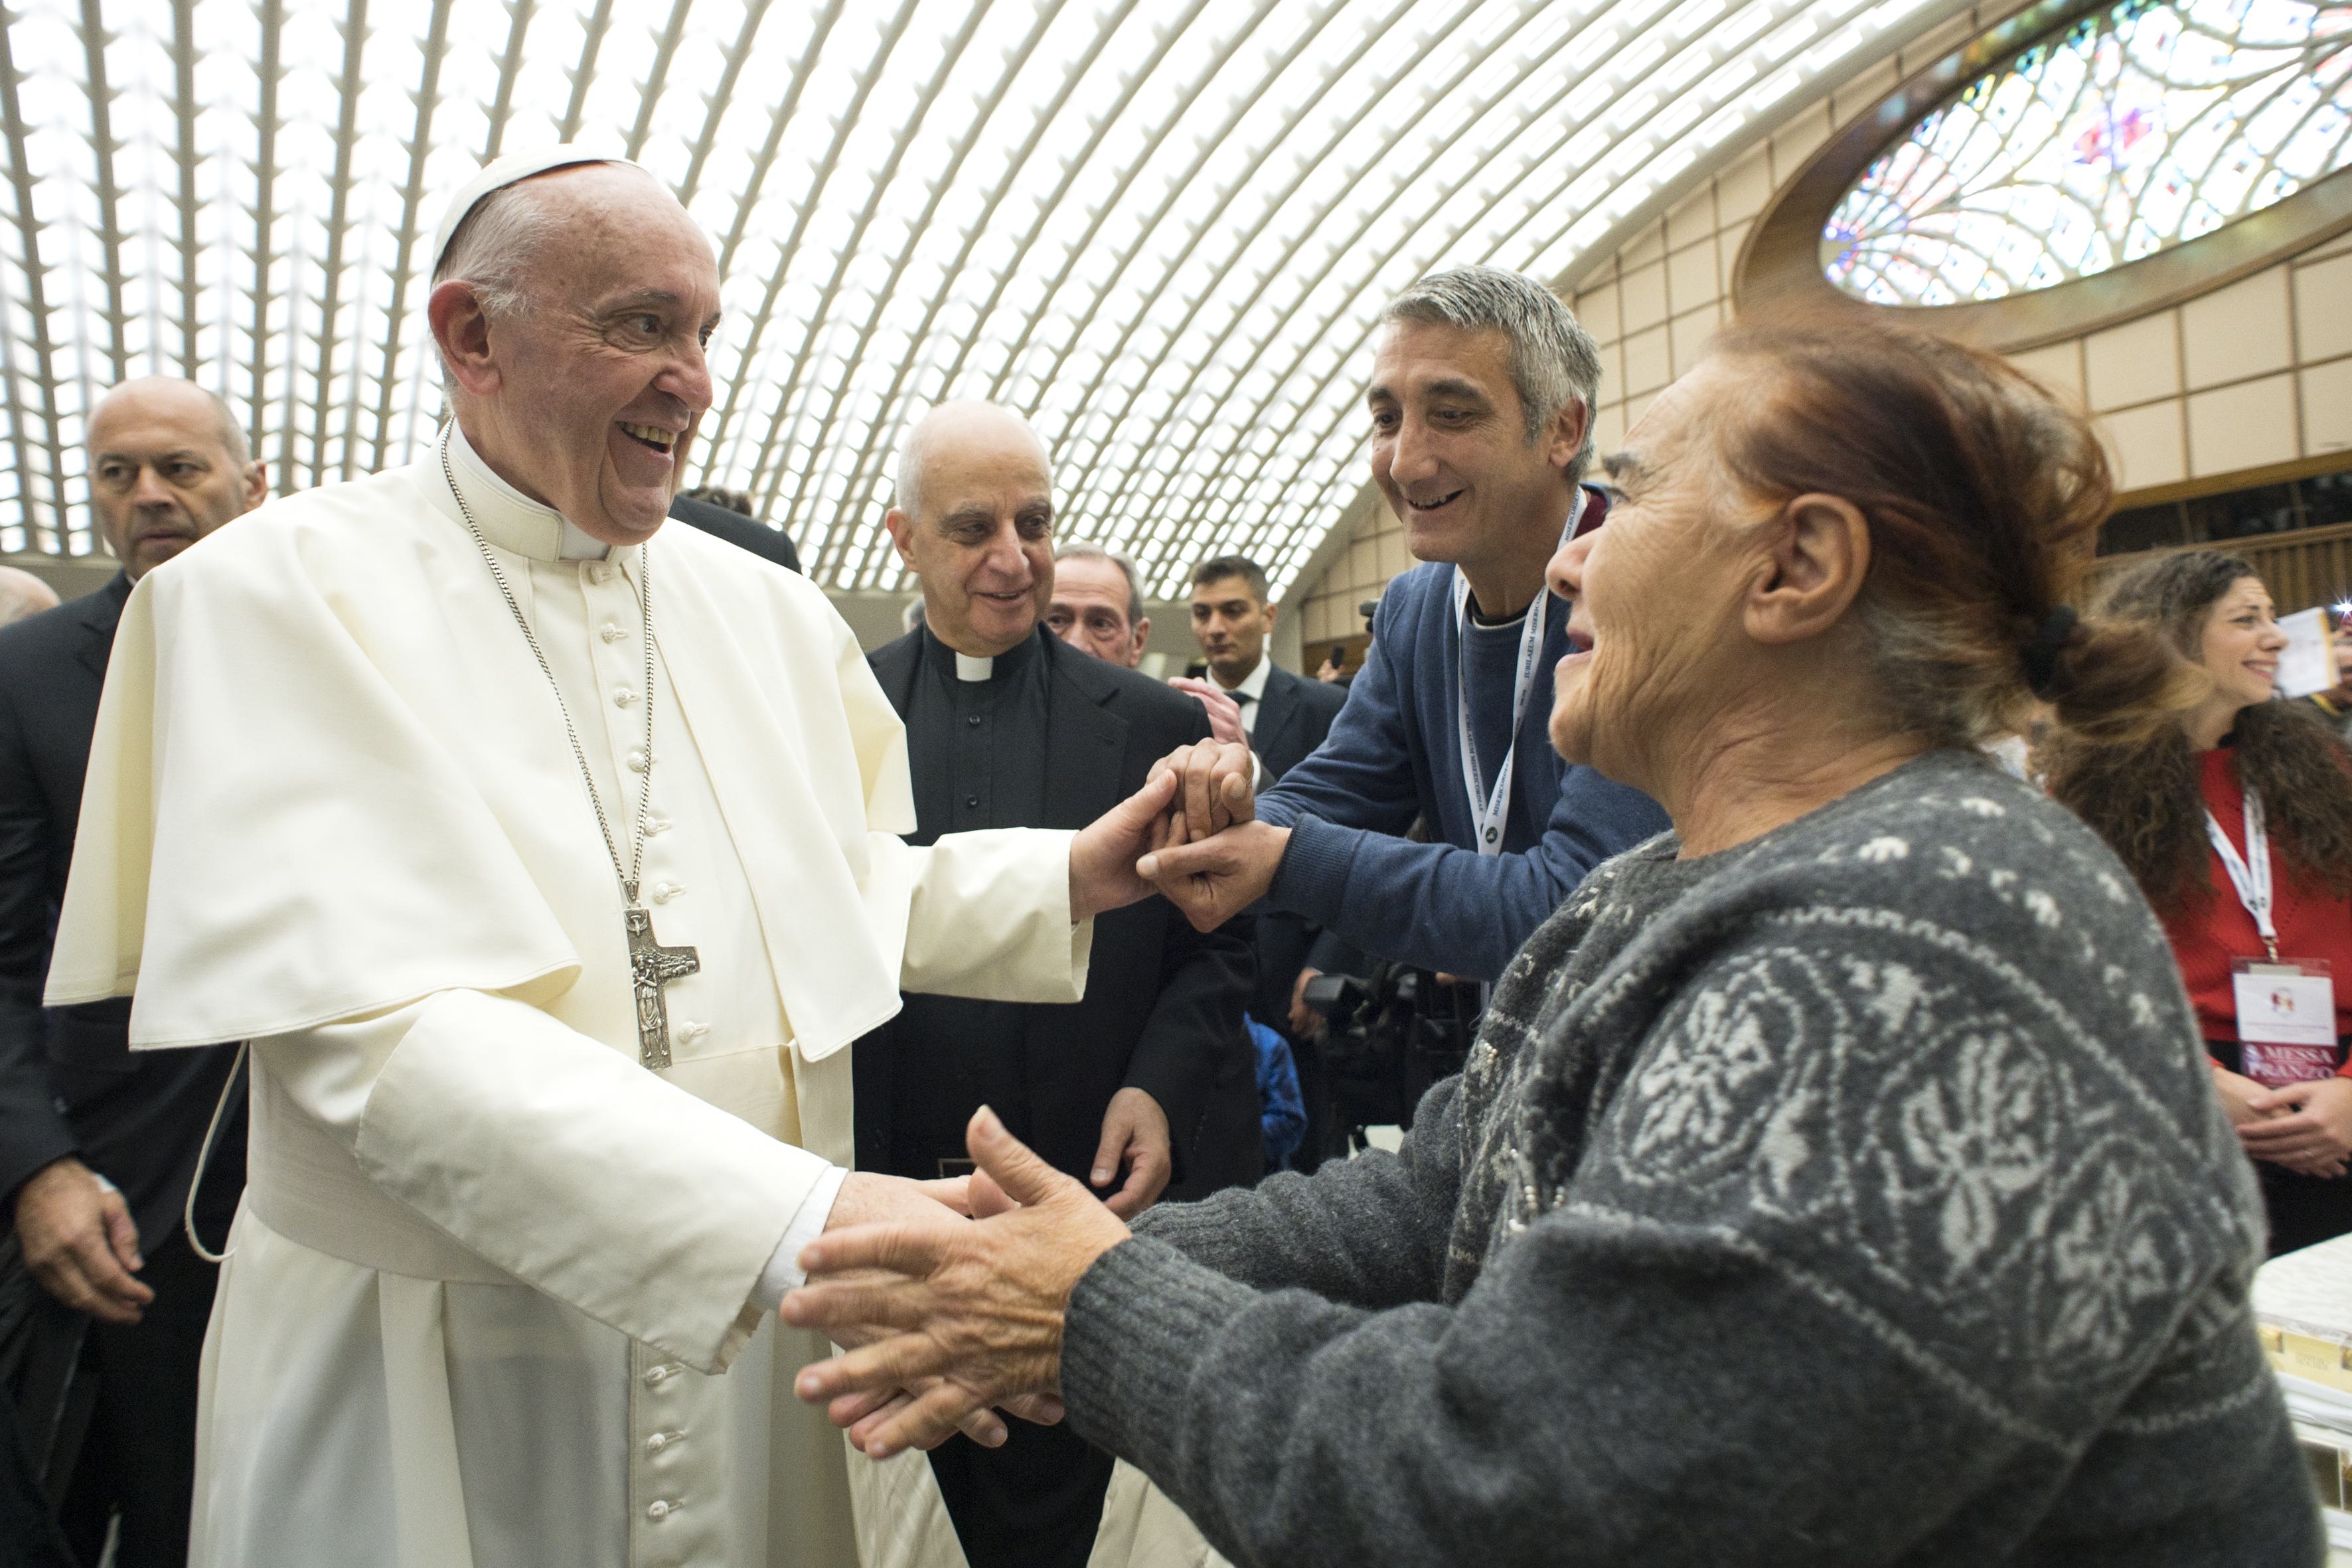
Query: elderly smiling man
column 549, row 866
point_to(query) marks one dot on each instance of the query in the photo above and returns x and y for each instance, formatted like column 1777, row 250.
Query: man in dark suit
column 1009, row 727
column 711, row 510
column 97, row 1148
column 1284, row 717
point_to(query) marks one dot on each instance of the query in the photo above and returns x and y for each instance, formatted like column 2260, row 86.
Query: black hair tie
column 2042, row 654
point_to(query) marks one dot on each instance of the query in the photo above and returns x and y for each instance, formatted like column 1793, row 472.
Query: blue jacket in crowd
column 1393, row 755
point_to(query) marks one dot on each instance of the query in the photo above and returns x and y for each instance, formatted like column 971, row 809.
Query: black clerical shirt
column 976, row 739
column 977, row 747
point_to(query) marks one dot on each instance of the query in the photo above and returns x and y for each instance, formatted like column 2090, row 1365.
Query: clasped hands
column 947, row 1316
column 1190, row 833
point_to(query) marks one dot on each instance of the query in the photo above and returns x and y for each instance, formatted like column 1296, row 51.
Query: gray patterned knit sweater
column 1853, row 1197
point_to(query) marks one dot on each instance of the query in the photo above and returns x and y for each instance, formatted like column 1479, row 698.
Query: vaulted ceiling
column 1161, row 229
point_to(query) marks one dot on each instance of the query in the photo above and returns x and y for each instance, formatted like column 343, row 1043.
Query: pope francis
column 549, row 866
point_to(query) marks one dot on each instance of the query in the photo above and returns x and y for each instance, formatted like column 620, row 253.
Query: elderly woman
column 1833, row 1182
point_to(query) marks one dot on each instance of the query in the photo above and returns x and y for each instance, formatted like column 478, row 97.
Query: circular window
column 2135, row 129
column 2112, row 161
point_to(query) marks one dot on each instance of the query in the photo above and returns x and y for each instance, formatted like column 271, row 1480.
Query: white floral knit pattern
column 1927, row 1062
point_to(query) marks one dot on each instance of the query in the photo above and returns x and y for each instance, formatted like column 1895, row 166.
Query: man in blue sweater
column 1481, row 406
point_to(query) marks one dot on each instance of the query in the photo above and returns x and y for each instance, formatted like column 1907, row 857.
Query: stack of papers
column 2302, row 1305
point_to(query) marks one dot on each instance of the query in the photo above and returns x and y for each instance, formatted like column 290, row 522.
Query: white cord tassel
column 205, row 1158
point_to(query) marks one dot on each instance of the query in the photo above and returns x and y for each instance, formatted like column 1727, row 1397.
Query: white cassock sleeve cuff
column 783, row 1271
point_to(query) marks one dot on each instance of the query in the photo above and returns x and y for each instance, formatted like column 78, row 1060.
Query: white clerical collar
column 511, row 520
column 1253, row 685
column 970, row 669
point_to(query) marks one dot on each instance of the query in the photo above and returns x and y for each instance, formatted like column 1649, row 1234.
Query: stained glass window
column 2136, row 129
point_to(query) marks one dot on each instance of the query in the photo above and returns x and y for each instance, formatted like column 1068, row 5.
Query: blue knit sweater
column 1393, row 755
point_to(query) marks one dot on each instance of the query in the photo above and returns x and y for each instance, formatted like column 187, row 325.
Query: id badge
column 2286, row 1019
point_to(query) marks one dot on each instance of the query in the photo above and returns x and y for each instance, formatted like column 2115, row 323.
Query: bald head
column 956, row 431
column 975, row 523
column 23, row 594
column 168, row 464
column 570, row 312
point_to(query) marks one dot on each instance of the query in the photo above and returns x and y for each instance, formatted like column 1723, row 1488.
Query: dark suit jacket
column 1162, row 1010
column 1294, row 715
column 68, row 1081
column 748, row 533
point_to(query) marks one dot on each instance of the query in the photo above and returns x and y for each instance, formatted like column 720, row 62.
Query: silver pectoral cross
column 653, row 967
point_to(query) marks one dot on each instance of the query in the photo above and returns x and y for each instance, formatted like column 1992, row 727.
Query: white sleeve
column 783, row 1271
column 559, row 1161
column 989, row 917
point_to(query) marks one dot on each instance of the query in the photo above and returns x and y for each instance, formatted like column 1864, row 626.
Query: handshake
column 1190, row 833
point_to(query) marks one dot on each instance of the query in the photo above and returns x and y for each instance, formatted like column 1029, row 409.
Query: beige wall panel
column 1394, row 557
column 1863, row 91
column 2058, row 366
column 1363, row 563
column 1597, row 310
column 1693, row 219
column 1647, row 364
column 1609, row 427
column 1727, row 253
column 2327, row 408
column 1794, row 142
column 1691, row 278
column 1613, row 371
column 2134, row 363
column 2236, row 333
column 1643, row 294
column 2247, row 425
column 2146, row 445
column 2322, row 307
column 1742, row 191
column 1690, row 336
column 1647, row 246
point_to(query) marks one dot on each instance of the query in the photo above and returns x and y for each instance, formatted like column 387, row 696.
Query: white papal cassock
column 496, row 1293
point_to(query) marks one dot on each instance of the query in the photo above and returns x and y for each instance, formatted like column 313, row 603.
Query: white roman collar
column 1253, row 685
column 510, row 519
column 970, row 669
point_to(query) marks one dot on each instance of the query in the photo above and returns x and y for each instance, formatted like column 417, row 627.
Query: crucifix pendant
column 651, row 967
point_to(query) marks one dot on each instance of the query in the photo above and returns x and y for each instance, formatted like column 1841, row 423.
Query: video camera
column 1391, row 1035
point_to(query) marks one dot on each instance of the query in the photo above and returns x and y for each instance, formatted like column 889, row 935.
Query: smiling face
column 162, row 472
column 980, row 536
column 1450, row 447
column 1655, row 636
column 587, row 396
column 2240, row 645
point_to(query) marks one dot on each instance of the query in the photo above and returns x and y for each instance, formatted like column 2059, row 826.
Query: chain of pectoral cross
column 651, row 965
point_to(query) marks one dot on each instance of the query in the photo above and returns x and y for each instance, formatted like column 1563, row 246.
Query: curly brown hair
column 2144, row 798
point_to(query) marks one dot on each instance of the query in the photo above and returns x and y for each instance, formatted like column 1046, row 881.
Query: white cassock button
column 599, row 572
column 660, row 1441
column 657, row 825
column 657, row 1375
column 658, row 1510
column 691, row 1032
column 667, row 892
column 623, row 697
column 609, row 632
column 636, row 759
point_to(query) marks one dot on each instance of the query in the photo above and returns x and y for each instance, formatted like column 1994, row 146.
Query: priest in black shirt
column 1147, row 1083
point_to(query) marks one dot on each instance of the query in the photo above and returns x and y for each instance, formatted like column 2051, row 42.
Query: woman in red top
column 2160, row 806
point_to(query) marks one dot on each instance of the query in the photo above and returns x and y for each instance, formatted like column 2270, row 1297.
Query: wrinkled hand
column 1104, row 852
column 1305, row 1021
column 868, row 1198
column 1224, row 713
column 2305, row 1127
column 1215, row 787
column 980, row 1305
column 1216, row 878
column 1134, row 1133
column 79, row 1243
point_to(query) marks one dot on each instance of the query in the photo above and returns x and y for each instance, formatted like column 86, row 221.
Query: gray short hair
column 1079, row 550
column 495, row 246
column 1553, row 359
